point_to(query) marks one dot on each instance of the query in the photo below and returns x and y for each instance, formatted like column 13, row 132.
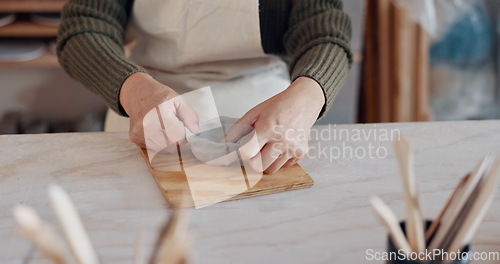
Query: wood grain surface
column 208, row 184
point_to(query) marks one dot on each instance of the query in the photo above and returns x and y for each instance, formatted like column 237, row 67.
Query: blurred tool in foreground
column 460, row 218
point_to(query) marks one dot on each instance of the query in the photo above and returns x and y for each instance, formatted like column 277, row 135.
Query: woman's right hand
column 157, row 113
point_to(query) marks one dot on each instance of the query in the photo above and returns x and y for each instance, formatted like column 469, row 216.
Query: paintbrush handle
column 38, row 233
column 476, row 214
column 72, row 226
column 414, row 221
column 432, row 229
column 450, row 217
column 389, row 220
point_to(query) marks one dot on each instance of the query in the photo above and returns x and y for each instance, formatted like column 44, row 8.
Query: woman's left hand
column 282, row 124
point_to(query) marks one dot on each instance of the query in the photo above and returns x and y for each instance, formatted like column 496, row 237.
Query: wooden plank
column 214, row 184
column 422, row 82
column 403, row 65
column 15, row 6
column 397, row 78
column 383, row 59
column 27, row 29
column 368, row 109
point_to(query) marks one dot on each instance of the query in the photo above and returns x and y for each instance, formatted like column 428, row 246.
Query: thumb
column 240, row 128
column 189, row 117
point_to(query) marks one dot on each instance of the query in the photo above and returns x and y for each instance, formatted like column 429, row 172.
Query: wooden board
column 215, row 184
column 422, row 106
column 403, row 57
column 27, row 29
column 383, row 60
column 7, row 6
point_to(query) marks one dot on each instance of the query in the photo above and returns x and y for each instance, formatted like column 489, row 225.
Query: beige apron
column 190, row 44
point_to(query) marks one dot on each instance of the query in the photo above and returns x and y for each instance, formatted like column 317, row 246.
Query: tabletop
column 332, row 222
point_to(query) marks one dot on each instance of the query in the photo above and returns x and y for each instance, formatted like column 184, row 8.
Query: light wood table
column 329, row 223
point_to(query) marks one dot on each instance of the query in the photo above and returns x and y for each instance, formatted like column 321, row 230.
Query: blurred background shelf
column 27, row 29
column 8, row 6
column 48, row 60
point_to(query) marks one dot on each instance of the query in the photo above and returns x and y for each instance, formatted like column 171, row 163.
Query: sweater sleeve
column 90, row 46
column 317, row 43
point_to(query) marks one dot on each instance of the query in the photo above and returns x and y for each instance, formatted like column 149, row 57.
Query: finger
column 189, row 117
column 240, row 128
column 174, row 128
column 278, row 164
column 290, row 162
column 270, row 153
column 137, row 135
column 256, row 163
column 154, row 138
column 171, row 146
column 250, row 147
column 254, row 143
column 299, row 152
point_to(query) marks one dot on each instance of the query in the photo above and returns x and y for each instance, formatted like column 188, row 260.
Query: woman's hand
column 157, row 113
column 282, row 125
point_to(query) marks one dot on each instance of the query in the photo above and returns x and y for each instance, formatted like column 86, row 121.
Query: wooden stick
column 39, row 234
column 475, row 215
column 173, row 241
column 72, row 226
column 383, row 59
column 414, row 222
column 387, row 217
column 458, row 203
column 432, row 229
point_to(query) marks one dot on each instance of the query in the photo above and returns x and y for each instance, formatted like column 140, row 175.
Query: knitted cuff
column 328, row 64
column 99, row 63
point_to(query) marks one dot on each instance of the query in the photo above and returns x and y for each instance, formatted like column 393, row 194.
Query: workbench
column 332, row 222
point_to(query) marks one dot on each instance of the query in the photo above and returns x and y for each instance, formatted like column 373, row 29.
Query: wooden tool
column 174, row 241
column 458, row 203
column 387, row 217
column 169, row 171
column 171, row 247
column 432, row 229
column 72, row 226
column 38, row 233
column 476, row 213
column 414, row 222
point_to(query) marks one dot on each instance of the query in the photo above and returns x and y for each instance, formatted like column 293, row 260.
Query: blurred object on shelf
column 52, row 47
column 25, row 27
column 423, row 12
column 47, row 19
column 14, row 122
column 62, row 126
column 9, row 123
column 461, row 94
column 13, row 50
column 6, row 19
column 89, row 122
column 465, row 33
column 463, row 79
column 395, row 85
column 31, row 125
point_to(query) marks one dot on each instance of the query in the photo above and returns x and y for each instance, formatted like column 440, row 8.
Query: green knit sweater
column 312, row 34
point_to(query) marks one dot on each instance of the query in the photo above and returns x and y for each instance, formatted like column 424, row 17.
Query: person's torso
column 203, row 40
